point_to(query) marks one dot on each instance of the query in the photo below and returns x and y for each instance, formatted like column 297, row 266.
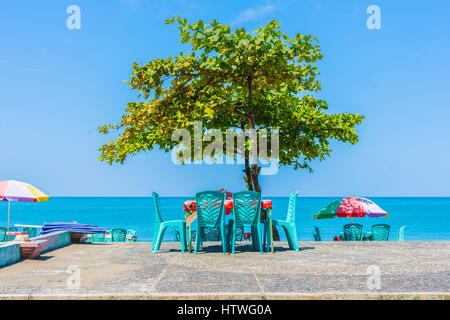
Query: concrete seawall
column 9, row 253
column 55, row 240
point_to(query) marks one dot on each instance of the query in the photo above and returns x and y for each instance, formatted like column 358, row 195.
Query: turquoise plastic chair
column 316, row 235
column 131, row 233
column 210, row 213
column 247, row 213
column 353, row 232
column 3, row 234
column 238, row 234
column 288, row 225
column 380, row 232
column 161, row 226
column 31, row 231
column 98, row 237
column 10, row 238
column 211, row 234
column 176, row 234
column 214, row 234
column 118, row 235
column 401, row 233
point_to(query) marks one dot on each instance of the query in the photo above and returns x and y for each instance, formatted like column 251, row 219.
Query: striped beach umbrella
column 11, row 190
column 351, row 207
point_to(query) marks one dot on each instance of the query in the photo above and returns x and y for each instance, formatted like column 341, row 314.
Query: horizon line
column 181, row 196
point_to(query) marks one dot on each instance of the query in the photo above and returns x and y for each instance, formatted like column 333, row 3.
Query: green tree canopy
column 233, row 79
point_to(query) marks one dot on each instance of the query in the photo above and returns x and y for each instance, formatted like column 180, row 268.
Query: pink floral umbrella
column 351, row 207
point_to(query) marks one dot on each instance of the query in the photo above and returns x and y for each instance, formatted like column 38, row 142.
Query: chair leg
column 156, row 230
column 230, row 232
column 265, row 235
column 253, row 237
column 233, row 239
column 294, row 238
column 161, row 232
column 288, row 237
column 291, row 236
column 197, row 239
column 224, row 238
column 183, row 237
column 200, row 237
column 258, row 229
column 257, row 238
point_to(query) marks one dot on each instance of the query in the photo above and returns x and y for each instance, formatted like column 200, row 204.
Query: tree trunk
column 255, row 177
column 251, row 175
column 252, row 172
column 248, row 176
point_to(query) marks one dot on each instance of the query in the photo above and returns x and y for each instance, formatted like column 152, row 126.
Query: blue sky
column 58, row 85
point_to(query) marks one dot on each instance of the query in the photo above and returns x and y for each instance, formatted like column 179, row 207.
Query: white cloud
column 254, row 13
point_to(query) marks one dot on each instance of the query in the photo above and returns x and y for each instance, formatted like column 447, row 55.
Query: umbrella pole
column 9, row 208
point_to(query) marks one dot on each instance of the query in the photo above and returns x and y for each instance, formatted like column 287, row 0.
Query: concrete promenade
column 329, row 270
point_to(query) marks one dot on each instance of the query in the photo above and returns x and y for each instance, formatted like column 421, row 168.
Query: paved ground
column 320, row 269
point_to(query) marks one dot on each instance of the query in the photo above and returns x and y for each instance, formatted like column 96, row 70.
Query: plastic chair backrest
column 239, row 233
column 380, row 232
column 3, row 234
column 12, row 229
column 247, row 208
column 157, row 208
column 131, row 233
column 210, row 208
column 31, row 231
column 401, row 233
column 353, row 232
column 291, row 207
column 317, row 235
column 98, row 237
column 211, row 234
column 118, row 235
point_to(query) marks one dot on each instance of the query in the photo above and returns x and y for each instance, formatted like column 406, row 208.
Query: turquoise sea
column 424, row 218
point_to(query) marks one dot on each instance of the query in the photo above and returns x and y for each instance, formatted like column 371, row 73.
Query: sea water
column 424, row 218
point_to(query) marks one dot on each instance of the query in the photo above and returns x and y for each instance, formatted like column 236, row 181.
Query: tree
column 233, row 79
